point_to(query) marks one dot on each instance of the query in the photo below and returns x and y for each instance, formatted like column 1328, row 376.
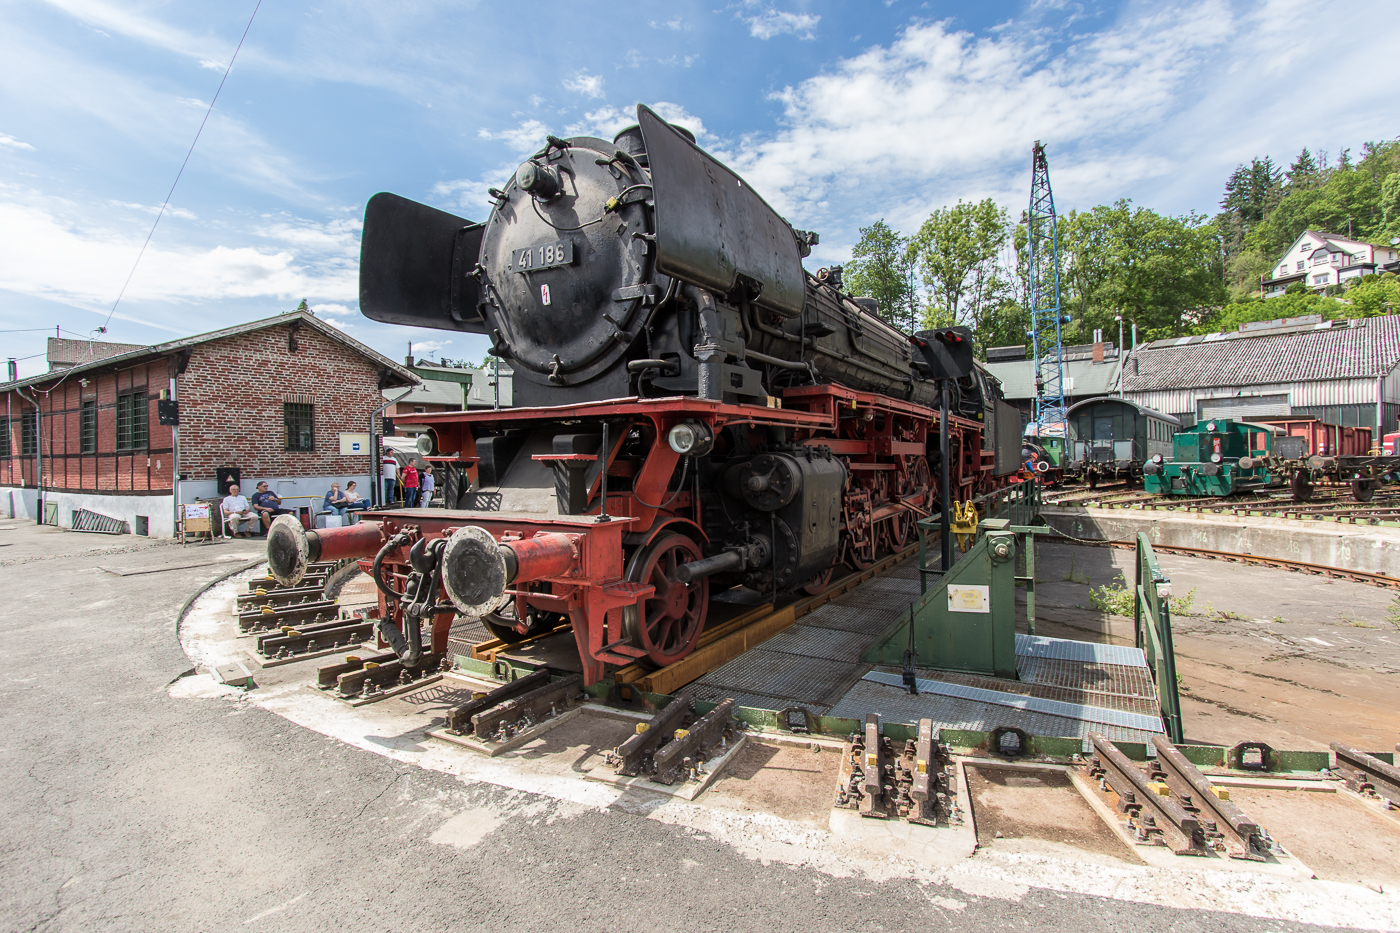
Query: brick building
column 288, row 399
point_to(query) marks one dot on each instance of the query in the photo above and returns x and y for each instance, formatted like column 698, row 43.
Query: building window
column 1320, row 279
column 1300, row 265
column 300, row 420
column 1283, row 270
column 1336, row 259
column 5, row 438
column 87, row 425
column 29, row 434
column 132, row 420
column 1359, row 258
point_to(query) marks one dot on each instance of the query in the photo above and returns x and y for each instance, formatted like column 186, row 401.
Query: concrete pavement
column 128, row 809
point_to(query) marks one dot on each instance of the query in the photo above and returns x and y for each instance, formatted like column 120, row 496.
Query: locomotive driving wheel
column 860, row 534
column 667, row 624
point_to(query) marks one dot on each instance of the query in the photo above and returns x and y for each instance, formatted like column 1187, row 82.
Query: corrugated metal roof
column 1090, row 378
column 1366, row 349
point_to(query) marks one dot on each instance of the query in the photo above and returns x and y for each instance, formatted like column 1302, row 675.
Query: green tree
column 1390, row 207
column 956, row 251
column 1162, row 273
column 881, row 267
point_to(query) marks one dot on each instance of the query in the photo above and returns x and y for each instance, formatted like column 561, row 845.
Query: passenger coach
column 1113, row 437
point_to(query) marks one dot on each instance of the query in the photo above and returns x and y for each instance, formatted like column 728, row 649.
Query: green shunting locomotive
column 1214, row 458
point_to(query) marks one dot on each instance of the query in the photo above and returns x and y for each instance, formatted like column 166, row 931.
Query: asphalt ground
column 127, row 809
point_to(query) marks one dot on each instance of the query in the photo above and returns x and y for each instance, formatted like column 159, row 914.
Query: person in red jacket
column 409, row 476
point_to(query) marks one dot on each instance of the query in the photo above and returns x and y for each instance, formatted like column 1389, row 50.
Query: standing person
column 236, row 512
column 390, row 468
column 410, row 485
column 268, row 505
column 426, row 486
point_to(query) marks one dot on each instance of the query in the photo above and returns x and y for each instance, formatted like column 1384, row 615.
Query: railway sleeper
column 1368, row 775
column 374, row 677
column 311, row 579
column 346, row 634
column 291, row 615
column 516, row 714
column 278, row 597
column 915, row 782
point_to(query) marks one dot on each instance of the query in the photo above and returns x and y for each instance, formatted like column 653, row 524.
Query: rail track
column 1297, row 566
column 1331, row 503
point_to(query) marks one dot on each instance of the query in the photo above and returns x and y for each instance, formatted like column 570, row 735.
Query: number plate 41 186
column 543, row 256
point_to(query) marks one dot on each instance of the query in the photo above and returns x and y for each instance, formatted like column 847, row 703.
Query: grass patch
column 1118, row 599
column 1392, row 614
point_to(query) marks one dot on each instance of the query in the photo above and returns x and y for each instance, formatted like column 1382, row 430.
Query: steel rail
column 1356, row 576
column 1237, row 833
column 1149, row 811
column 1367, row 774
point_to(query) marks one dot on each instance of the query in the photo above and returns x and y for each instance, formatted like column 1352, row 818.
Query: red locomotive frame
column 604, row 571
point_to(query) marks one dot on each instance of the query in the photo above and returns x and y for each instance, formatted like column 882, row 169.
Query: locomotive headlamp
column 1156, row 458
column 691, row 439
column 1246, row 463
column 1215, row 458
column 1210, row 426
column 537, row 179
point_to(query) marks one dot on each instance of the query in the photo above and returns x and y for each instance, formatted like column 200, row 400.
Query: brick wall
column 231, row 398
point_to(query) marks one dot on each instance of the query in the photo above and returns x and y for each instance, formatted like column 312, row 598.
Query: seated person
column 353, row 495
column 236, row 511
column 336, row 501
column 268, row 505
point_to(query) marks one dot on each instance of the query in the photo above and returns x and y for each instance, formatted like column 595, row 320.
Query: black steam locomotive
column 693, row 408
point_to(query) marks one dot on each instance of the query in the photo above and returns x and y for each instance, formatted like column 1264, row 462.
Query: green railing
column 1152, row 626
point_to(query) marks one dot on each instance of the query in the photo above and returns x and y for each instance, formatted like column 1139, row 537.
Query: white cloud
column 524, row 139
column 940, row 114
column 585, row 83
column 770, row 22
column 675, row 24
column 9, row 142
column 426, row 348
column 466, row 196
column 607, row 121
column 49, row 249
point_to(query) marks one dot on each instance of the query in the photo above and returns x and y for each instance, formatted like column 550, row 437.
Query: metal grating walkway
column 1067, row 688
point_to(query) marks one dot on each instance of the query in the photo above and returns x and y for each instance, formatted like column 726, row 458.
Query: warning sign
column 969, row 599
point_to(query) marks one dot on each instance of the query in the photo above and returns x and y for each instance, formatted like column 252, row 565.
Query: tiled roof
column 1362, row 349
column 65, row 352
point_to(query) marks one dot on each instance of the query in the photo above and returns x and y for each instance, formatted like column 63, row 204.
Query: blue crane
column 1046, row 316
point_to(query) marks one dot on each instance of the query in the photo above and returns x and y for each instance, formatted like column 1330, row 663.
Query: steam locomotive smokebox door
column 415, row 266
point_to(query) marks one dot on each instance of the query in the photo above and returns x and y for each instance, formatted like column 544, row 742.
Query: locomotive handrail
column 1152, row 628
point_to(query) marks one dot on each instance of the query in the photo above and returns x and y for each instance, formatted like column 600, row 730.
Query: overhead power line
column 161, row 213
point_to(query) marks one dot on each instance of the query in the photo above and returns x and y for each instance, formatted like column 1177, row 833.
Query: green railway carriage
column 1214, row 458
column 1113, row 438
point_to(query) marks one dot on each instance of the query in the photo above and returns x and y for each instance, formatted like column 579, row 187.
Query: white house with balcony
column 1322, row 259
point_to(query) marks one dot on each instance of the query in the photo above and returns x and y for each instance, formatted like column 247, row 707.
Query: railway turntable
column 814, row 731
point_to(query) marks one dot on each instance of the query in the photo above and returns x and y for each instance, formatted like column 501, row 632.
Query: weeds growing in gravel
column 1118, row 598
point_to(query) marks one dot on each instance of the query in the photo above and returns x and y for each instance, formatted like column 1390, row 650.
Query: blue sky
column 838, row 113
